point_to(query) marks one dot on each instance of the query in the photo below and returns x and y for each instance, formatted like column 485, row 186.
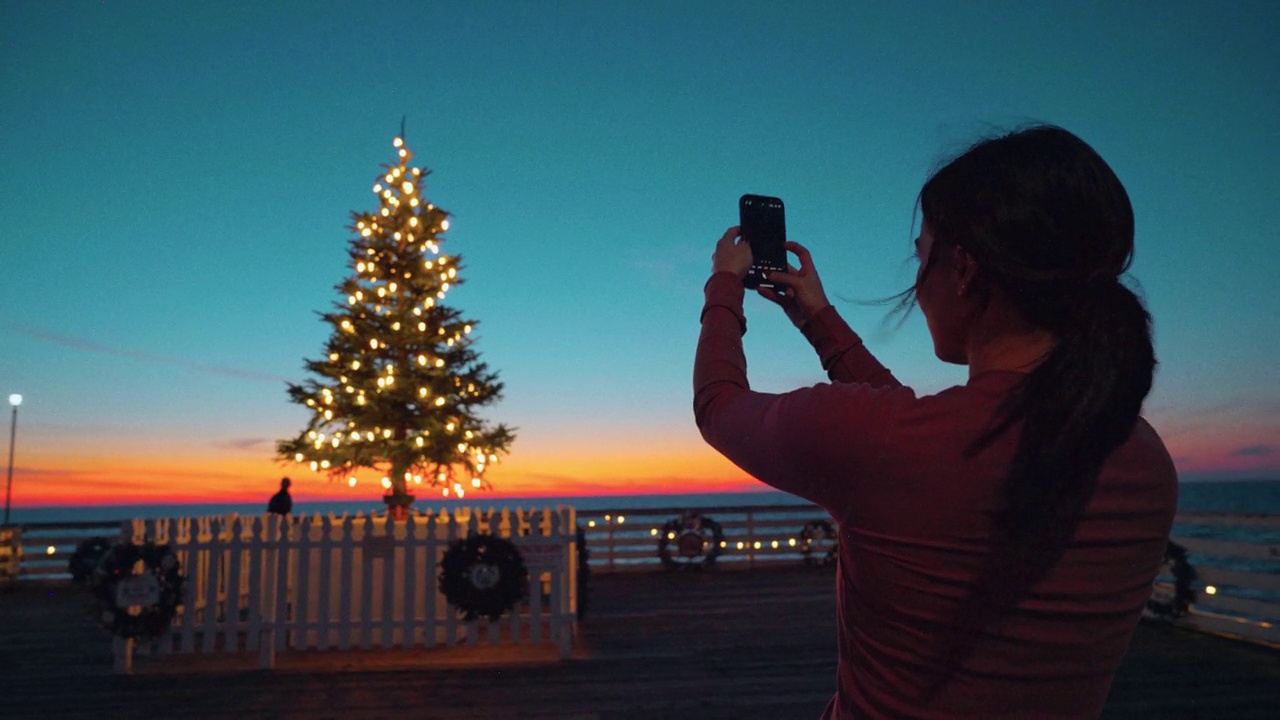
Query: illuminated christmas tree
column 400, row 385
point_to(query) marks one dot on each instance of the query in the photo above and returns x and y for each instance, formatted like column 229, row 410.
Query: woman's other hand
column 800, row 290
column 732, row 254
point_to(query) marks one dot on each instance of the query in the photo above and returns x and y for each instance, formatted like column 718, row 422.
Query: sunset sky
column 176, row 180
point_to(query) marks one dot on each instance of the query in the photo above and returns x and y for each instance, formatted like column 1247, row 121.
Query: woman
column 998, row 540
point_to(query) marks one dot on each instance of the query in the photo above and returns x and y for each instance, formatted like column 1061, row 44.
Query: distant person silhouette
column 281, row 503
column 998, row 539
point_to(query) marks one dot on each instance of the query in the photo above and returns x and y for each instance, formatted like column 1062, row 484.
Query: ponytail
column 1050, row 226
column 1049, row 223
column 1076, row 407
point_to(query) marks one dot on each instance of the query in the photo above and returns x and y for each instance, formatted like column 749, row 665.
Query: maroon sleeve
column 814, row 442
column 842, row 353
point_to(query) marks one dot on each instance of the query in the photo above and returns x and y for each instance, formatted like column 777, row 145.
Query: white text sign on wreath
column 138, row 590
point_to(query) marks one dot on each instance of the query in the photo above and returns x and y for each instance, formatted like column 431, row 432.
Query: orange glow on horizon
column 47, row 478
column 160, row 472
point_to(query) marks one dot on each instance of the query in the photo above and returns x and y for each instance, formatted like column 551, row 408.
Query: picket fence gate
column 323, row 582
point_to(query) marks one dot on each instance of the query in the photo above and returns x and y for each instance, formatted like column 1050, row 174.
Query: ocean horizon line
column 1233, row 495
column 629, row 501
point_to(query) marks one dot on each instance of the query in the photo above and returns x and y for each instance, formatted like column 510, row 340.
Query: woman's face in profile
column 939, row 299
column 924, row 243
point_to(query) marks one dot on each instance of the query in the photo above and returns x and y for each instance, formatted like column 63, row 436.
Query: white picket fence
column 269, row 584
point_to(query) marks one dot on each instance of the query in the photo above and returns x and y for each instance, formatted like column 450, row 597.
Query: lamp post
column 15, row 400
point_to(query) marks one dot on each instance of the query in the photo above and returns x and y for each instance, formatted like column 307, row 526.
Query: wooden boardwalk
column 694, row 646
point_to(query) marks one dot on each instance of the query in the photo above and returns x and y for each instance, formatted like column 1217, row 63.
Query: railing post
column 10, row 554
column 609, row 539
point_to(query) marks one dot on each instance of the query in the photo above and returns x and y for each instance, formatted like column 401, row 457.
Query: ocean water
column 1244, row 497
column 1236, row 496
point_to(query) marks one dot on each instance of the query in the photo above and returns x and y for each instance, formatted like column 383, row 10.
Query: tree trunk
column 398, row 499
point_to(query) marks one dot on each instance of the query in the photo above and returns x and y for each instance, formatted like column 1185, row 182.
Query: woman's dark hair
column 1049, row 226
column 1048, row 223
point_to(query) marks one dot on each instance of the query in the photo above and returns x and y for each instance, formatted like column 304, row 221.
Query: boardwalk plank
column 712, row 646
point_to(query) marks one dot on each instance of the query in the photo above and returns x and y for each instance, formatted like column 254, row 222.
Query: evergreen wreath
column 1176, row 563
column 124, row 562
column 483, row 575
column 816, row 530
column 689, row 533
column 86, row 558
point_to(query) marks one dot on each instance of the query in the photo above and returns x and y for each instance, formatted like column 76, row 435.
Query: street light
column 15, row 400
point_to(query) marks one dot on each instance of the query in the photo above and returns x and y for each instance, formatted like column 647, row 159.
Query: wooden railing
column 45, row 548
column 1236, row 556
column 624, row 540
column 1237, row 571
column 1237, row 586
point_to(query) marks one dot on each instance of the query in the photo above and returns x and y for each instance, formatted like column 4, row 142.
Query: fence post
column 571, row 550
column 123, row 651
column 565, row 597
column 270, row 548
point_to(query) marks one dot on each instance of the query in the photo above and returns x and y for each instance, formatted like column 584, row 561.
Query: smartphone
column 765, row 229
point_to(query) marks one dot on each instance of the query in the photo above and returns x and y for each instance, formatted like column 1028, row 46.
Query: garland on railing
column 483, row 575
column 689, row 532
column 86, row 558
column 1175, row 563
column 137, row 589
column 813, row 531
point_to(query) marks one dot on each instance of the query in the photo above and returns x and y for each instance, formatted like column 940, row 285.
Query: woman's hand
column 800, row 290
column 732, row 254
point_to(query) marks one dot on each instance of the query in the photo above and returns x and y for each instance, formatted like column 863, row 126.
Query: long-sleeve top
column 919, row 633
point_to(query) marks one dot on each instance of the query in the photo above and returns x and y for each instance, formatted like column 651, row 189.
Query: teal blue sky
column 176, row 179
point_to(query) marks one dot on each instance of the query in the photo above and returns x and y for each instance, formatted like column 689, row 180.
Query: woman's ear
column 966, row 271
